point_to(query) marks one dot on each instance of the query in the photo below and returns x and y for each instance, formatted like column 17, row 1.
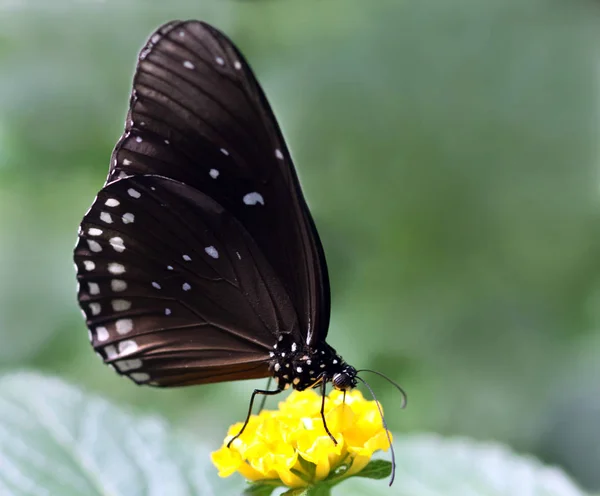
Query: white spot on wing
column 139, row 139
column 89, row 265
column 224, row 152
column 188, row 65
column 106, row 217
column 125, row 365
column 155, row 285
column 128, row 218
column 214, row 173
column 118, row 285
column 139, row 376
column 124, row 326
column 121, row 305
column 116, row 268
column 95, row 308
column 111, row 352
column 253, row 198
column 238, row 255
column 117, row 244
column 102, row 333
column 94, row 231
column 134, row 193
column 127, row 347
column 187, row 258
column 237, row 64
column 93, row 288
column 167, row 311
column 220, row 60
column 212, row 251
column 294, row 346
column 126, row 162
column 186, row 286
column 169, row 267
column 278, row 154
column 299, row 370
column 94, row 245
column 277, row 367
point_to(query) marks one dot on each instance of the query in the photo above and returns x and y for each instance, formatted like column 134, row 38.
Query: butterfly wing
column 174, row 289
column 198, row 115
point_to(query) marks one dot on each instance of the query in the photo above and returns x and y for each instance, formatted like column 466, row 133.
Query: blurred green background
column 449, row 152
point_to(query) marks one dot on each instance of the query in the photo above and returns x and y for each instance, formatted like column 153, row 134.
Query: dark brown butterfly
column 199, row 261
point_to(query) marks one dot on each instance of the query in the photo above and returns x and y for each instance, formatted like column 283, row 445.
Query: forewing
column 174, row 289
column 198, row 115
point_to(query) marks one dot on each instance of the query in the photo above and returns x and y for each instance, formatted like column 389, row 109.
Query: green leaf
column 319, row 490
column 433, row 465
column 376, row 469
column 259, row 489
column 55, row 439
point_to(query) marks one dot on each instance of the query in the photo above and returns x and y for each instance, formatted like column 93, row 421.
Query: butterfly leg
column 264, row 397
column 256, row 391
column 323, row 393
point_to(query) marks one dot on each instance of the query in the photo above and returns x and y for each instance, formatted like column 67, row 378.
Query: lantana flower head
column 291, row 445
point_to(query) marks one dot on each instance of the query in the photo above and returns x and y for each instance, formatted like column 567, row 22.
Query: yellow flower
column 290, row 444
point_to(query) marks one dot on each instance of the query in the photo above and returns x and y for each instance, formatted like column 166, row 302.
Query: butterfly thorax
column 297, row 365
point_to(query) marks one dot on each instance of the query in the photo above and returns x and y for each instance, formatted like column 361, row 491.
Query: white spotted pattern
column 214, row 173
column 94, row 231
column 139, row 376
column 121, row 305
column 278, row 154
column 127, row 347
column 187, row 258
column 111, row 352
column 155, row 285
column 167, row 311
column 106, row 217
column 188, row 65
column 253, row 198
column 124, row 326
column 237, row 65
column 116, row 268
column 89, row 265
column 95, row 308
column 134, row 193
column 117, row 244
column 220, row 60
column 212, row 251
column 224, row 152
column 128, row 218
column 94, row 245
column 186, row 286
column 93, row 288
column 113, row 202
column 169, row 267
column 139, row 139
column 101, row 333
column 126, row 365
column 126, row 162
column 118, row 285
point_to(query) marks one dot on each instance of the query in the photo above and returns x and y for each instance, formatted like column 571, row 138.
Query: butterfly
column 199, row 261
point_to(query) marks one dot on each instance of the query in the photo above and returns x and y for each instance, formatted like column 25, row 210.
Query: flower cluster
column 290, row 444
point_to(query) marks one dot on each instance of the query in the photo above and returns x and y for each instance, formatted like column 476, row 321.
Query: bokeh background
column 449, row 152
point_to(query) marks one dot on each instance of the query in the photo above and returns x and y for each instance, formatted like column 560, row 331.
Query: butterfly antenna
column 395, row 384
column 387, row 432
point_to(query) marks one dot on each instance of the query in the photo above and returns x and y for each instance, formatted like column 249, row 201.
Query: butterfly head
column 346, row 379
